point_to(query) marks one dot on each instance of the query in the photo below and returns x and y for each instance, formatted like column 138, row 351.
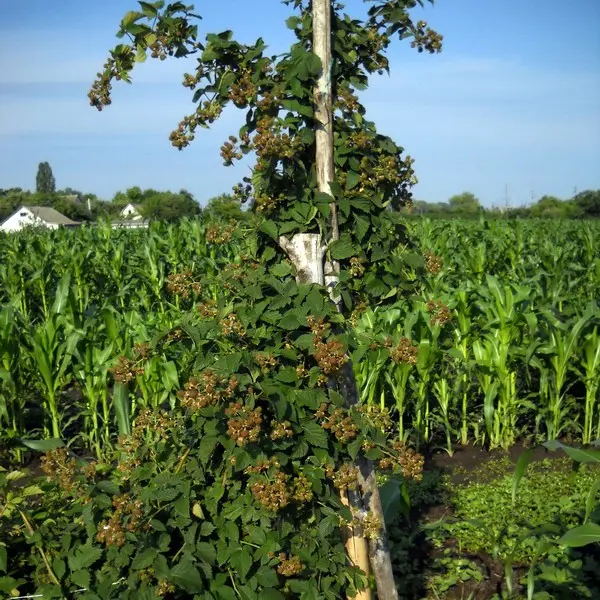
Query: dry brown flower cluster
column 440, row 313
column 281, row 429
column 244, row 424
column 378, row 416
column 243, row 89
column 126, row 517
column 126, row 370
column 157, row 425
column 426, row 38
column 288, row 567
column 265, row 361
column 433, row 263
column 371, row 526
column 142, row 350
column 405, row 352
column 345, row 477
column 231, row 325
column 330, row 355
column 207, row 389
column 262, row 466
column 208, row 309
column 272, row 494
column 183, row 284
column 219, row 234
column 406, row 459
column 346, row 100
column 357, row 268
column 64, row 471
column 339, row 422
column 230, row 151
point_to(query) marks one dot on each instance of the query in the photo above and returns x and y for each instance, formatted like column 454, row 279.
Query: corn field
column 503, row 345
column 505, row 340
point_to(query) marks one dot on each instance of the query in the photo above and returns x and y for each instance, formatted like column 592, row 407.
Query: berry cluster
column 231, row 325
column 288, row 567
column 126, row 370
column 244, row 425
column 440, row 313
column 330, row 355
column 126, row 517
column 183, row 284
column 272, row 494
column 339, row 422
column 216, row 234
column 405, row 352
column 229, row 151
column 262, row 466
column 64, row 471
column 208, row 309
column 208, row 389
column 426, row 39
column 243, row 90
column 409, row 462
column 433, row 263
column 345, row 477
column 356, row 267
column 265, row 361
column 281, row 429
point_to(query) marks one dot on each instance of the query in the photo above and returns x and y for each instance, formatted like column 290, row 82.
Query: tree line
column 583, row 205
column 171, row 206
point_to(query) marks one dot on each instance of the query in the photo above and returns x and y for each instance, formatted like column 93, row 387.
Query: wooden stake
column 323, row 111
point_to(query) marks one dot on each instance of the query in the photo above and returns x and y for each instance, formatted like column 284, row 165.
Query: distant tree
column 224, row 206
column 588, row 203
column 167, row 206
column 550, row 207
column 44, row 180
column 465, row 204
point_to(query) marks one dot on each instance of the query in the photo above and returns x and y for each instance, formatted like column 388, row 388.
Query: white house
column 132, row 212
column 36, row 216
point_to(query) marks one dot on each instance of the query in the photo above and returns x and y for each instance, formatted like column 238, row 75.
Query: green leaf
column 43, row 445
column 270, row 228
column 342, row 248
column 520, row 468
column 315, row 434
column 81, row 578
column 186, row 576
column 84, row 557
column 144, row 559
column 3, row 560
column 271, row 594
column 352, row 180
column 206, row 552
column 241, row 561
column 581, row 536
column 582, row 455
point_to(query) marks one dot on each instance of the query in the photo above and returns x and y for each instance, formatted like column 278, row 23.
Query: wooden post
column 356, row 545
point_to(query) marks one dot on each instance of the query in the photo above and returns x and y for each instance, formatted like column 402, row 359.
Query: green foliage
column 44, row 180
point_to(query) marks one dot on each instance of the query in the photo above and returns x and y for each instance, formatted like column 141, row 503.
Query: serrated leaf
column 241, row 561
column 206, row 552
column 315, row 435
column 342, row 248
column 186, row 575
column 84, row 557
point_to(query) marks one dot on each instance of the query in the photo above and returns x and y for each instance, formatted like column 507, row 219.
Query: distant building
column 132, row 212
column 36, row 216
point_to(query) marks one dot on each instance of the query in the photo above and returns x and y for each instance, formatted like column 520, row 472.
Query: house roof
column 50, row 215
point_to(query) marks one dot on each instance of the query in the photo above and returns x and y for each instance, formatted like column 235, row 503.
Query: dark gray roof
column 48, row 214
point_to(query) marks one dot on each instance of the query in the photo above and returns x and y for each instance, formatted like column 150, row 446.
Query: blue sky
column 513, row 102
